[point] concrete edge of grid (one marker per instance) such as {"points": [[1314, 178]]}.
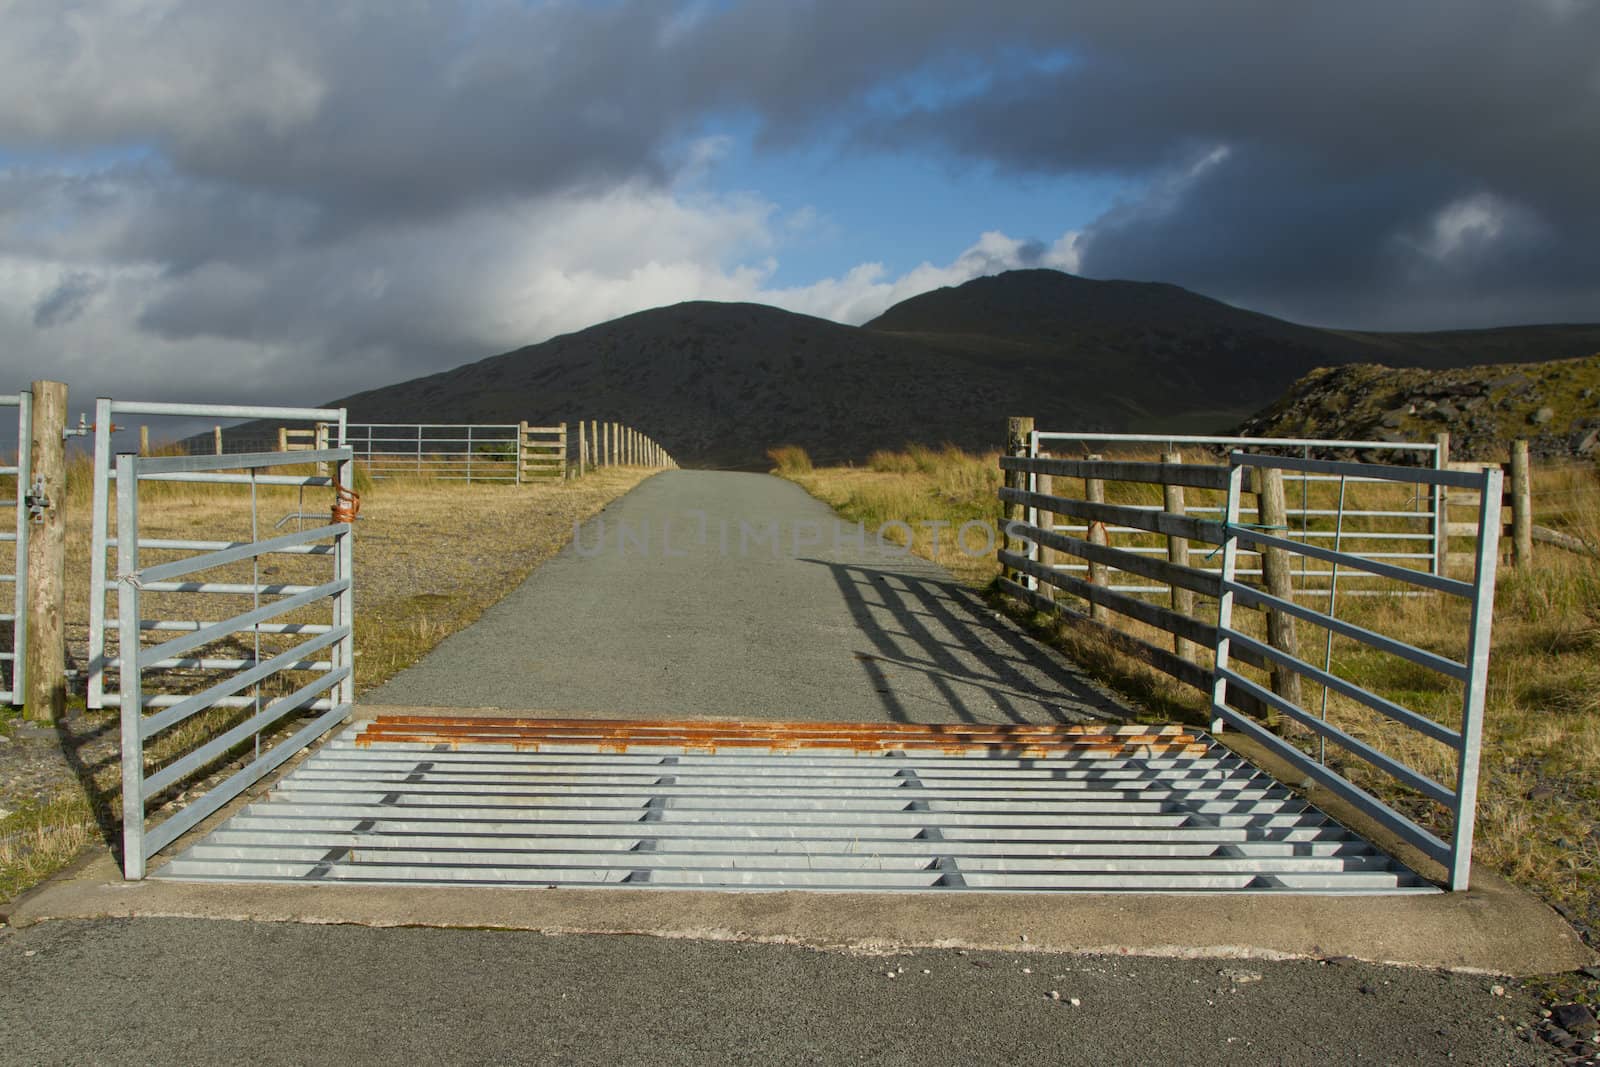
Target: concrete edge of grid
{"points": [[1494, 928]]}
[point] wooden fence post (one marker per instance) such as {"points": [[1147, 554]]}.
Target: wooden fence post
{"points": [[1441, 507], [522, 449], [1045, 485], [1094, 491], [283, 438], [1178, 553], [583, 448], [1019, 434], [216, 438], [1521, 505], [1273, 513], [46, 693], [594, 443], [319, 441], [563, 457], [144, 440]]}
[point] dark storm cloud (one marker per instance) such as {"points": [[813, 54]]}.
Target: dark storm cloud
{"points": [[1353, 137], [67, 300]]}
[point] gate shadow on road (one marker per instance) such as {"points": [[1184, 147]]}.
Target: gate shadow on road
{"points": [[963, 661]]}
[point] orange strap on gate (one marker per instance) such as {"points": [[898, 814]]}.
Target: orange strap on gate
{"points": [[346, 504]]}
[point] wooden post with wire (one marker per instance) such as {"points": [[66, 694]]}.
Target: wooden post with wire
{"points": [[1178, 553], [1019, 432], [144, 440], [1272, 511], [1094, 491], [216, 438], [522, 448], [1521, 505], [1441, 506], [45, 697]]}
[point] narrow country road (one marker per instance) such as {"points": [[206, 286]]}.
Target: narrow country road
{"points": [[716, 593]]}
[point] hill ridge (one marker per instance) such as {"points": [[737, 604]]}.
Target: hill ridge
{"points": [[719, 383]]}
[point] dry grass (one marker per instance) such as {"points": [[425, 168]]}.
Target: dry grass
{"points": [[922, 485], [1539, 808], [430, 557]]}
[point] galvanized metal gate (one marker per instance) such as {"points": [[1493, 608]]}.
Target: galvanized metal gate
{"points": [[13, 625], [1462, 737], [456, 452], [212, 688], [768, 806]]}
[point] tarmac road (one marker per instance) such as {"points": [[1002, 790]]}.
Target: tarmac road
{"points": [[195, 991], [679, 600]]}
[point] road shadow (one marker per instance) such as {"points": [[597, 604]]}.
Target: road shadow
{"points": [[962, 660]]}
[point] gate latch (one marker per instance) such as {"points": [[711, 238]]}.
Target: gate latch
{"points": [[36, 500]]}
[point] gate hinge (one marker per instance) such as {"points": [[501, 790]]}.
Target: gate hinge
{"points": [[36, 500]]}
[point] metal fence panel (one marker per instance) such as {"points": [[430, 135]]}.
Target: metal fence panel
{"points": [[458, 452], [1458, 797], [149, 712], [14, 653]]}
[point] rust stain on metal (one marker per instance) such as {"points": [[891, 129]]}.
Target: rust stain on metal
{"points": [[705, 736]]}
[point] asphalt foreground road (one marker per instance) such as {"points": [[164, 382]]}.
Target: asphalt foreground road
{"points": [[174, 991], [824, 630]]}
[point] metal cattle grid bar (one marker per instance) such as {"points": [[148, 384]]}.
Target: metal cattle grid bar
{"points": [[15, 653], [101, 543], [774, 806], [1416, 536], [1459, 797], [328, 695]]}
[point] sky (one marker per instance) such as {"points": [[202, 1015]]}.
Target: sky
{"points": [[294, 200]]}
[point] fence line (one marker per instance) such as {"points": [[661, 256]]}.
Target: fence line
{"points": [[501, 452], [1406, 530]]}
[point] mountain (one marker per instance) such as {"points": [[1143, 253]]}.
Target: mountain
{"points": [[718, 384]]}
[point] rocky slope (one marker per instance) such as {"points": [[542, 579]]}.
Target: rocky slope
{"points": [[1555, 405]]}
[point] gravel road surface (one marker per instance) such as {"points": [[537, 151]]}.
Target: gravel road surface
{"points": [[716, 593], [192, 991]]}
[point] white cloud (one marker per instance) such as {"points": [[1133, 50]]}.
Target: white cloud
{"points": [[1463, 225], [91, 297]]}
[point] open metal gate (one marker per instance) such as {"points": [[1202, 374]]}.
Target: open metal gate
{"points": [[220, 655], [14, 625], [1462, 737]]}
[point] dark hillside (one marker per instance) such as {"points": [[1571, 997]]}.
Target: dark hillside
{"points": [[718, 384]]}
